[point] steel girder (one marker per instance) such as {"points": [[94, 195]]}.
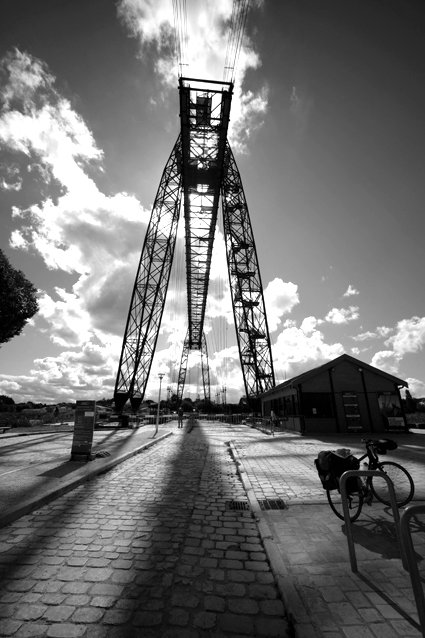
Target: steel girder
{"points": [[204, 113], [183, 368], [150, 287], [204, 368], [245, 284]]}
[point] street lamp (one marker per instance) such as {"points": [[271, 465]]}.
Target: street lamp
{"points": [[161, 376]]}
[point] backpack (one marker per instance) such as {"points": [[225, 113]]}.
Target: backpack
{"points": [[331, 467]]}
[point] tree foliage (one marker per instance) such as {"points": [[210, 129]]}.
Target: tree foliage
{"points": [[18, 300]]}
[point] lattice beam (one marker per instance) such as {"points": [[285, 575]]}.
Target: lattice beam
{"points": [[204, 114], [245, 284], [150, 287]]}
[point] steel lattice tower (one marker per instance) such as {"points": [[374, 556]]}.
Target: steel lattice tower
{"points": [[201, 168]]}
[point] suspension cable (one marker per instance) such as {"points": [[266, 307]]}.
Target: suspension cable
{"points": [[234, 42], [180, 36]]}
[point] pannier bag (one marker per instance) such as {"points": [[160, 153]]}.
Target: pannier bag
{"points": [[331, 465], [382, 445]]}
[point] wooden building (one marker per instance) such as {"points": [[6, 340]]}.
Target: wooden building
{"points": [[343, 395]]}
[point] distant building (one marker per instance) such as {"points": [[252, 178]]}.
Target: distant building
{"points": [[343, 395]]}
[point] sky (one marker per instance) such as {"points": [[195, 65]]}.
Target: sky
{"points": [[327, 126]]}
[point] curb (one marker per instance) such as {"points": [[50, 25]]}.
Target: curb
{"points": [[298, 616], [81, 476]]}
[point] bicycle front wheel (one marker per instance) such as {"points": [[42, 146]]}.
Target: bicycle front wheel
{"points": [[404, 487], [355, 504]]}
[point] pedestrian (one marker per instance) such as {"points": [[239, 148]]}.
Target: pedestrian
{"points": [[273, 422], [180, 417]]}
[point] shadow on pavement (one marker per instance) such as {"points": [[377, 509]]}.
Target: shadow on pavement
{"points": [[389, 601], [378, 536], [148, 548]]}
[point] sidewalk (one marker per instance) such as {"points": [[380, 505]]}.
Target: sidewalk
{"points": [[307, 545], [172, 543], [37, 470], [154, 548]]}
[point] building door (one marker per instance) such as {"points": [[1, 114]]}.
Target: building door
{"points": [[353, 419]]}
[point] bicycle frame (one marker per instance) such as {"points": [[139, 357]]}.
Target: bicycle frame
{"points": [[372, 456]]}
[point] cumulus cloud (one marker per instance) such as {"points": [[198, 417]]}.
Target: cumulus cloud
{"points": [[387, 360], [298, 349], [350, 291], [379, 333], [409, 337], [10, 178], [416, 387], [364, 336], [280, 297], [342, 315], [203, 54], [96, 238]]}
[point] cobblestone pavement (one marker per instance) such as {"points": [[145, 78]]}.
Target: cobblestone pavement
{"points": [[149, 549], [322, 595], [283, 466]]}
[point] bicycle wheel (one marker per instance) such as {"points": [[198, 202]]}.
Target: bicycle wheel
{"points": [[404, 487], [355, 504]]}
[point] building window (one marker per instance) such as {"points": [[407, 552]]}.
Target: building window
{"points": [[317, 404]]}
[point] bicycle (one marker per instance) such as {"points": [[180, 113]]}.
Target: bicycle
{"points": [[361, 490]]}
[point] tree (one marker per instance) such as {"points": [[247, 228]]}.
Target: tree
{"points": [[7, 404], [18, 300]]}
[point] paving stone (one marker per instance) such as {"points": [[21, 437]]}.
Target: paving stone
{"points": [[58, 613], [214, 603], [272, 628], [87, 615], [236, 624], [205, 620], [243, 606], [116, 617], [32, 630], [29, 612], [65, 630], [9, 627]]}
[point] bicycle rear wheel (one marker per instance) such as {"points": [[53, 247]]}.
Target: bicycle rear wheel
{"points": [[355, 504], [404, 487]]}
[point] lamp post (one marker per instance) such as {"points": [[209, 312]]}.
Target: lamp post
{"points": [[161, 376]]}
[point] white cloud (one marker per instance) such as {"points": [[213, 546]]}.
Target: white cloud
{"points": [[409, 337], [10, 178], [387, 360], [342, 315], [204, 52], [93, 236], [350, 291], [309, 324], [279, 297], [416, 387], [364, 336], [383, 331], [298, 349], [22, 76]]}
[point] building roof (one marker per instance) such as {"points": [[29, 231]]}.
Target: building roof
{"points": [[330, 364]]}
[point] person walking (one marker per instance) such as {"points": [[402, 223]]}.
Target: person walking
{"points": [[273, 422], [180, 417]]}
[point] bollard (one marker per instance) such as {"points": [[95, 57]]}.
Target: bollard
{"points": [[396, 514], [415, 578]]}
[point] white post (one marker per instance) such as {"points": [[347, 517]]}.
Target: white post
{"points": [[161, 375]]}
